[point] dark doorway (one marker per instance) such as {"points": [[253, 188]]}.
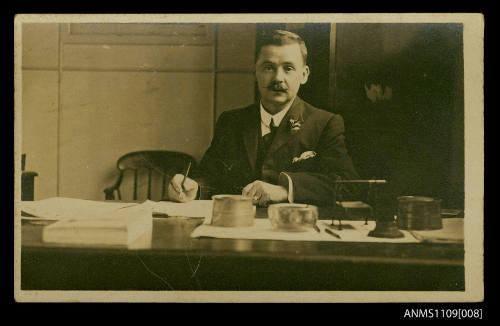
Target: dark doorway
{"points": [[399, 88]]}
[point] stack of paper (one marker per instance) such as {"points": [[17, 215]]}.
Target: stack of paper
{"points": [[87, 222], [123, 226]]}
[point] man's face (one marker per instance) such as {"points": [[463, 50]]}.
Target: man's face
{"points": [[280, 70]]}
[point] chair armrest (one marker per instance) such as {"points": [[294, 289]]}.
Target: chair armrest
{"points": [[28, 185], [110, 191], [29, 174]]}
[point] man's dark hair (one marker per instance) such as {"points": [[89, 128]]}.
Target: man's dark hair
{"points": [[281, 37]]}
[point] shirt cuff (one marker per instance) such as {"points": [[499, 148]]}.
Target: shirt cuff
{"points": [[290, 185]]}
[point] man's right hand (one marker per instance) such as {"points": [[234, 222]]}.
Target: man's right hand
{"points": [[179, 193]]}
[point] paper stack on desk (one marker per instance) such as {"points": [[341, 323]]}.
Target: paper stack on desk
{"points": [[87, 222], [121, 227]]}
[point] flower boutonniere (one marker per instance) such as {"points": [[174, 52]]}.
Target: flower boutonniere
{"points": [[295, 125]]}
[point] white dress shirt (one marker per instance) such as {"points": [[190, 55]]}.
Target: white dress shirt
{"points": [[265, 118], [265, 121]]}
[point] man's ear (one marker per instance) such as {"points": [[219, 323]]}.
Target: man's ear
{"points": [[305, 75]]}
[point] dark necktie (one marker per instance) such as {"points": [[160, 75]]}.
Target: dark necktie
{"points": [[268, 138]]}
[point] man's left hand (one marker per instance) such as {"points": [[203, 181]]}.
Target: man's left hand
{"points": [[264, 193]]}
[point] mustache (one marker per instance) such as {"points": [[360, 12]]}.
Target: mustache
{"points": [[276, 87]]}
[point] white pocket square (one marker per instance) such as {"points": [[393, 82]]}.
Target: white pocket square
{"points": [[304, 156]]}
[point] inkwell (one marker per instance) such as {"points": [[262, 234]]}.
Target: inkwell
{"points": [[381, 205], [383, 212]]}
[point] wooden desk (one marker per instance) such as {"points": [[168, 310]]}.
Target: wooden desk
{"points": [[177, 262]]}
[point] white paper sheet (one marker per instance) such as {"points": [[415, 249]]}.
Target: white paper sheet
{"points": [[57, 208], [452, 231], [195, 208], [353, 231]]}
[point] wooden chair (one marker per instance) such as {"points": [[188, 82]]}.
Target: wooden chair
{"points": [[27, 181], [164, 163]]}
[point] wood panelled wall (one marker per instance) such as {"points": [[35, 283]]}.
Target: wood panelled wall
{"points": [[93, 92]]}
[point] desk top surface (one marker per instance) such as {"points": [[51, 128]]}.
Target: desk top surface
{"points": [[171, 236]]}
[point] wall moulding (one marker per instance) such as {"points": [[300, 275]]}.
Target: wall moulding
{"points": [[129, 33]]}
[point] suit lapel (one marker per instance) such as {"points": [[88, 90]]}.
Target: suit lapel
{"points": [[283, 134], [251, 133]]}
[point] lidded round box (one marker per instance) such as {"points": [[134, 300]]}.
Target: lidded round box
{"points": [[419, 213], [232, 210], [293, 217]]}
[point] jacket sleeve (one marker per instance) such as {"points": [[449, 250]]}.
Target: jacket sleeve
{"points": [[215, 173], [317, 185]]}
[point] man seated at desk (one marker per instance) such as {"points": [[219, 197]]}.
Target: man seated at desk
{"points": [[281, 149]]}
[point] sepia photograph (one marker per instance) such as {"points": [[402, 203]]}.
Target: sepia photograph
{"points": [[249, 158]]}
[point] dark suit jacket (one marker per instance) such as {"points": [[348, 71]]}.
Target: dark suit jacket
{"points": [[231, 162]]}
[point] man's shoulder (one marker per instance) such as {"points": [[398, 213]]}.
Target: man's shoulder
{"points": [[241, 110], [249, 110], [319, 114], [238, 113]]}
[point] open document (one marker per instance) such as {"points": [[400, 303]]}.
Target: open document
{"points": [[58, 208]]}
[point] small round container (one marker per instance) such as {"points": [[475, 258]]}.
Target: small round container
{"points": [[232, 211], [293, 217], [419, 213]]}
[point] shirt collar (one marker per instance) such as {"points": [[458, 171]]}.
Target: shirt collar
{"points": [[266, 116]]}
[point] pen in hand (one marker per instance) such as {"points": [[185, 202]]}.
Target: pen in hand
{"points": [[185, 175]]}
